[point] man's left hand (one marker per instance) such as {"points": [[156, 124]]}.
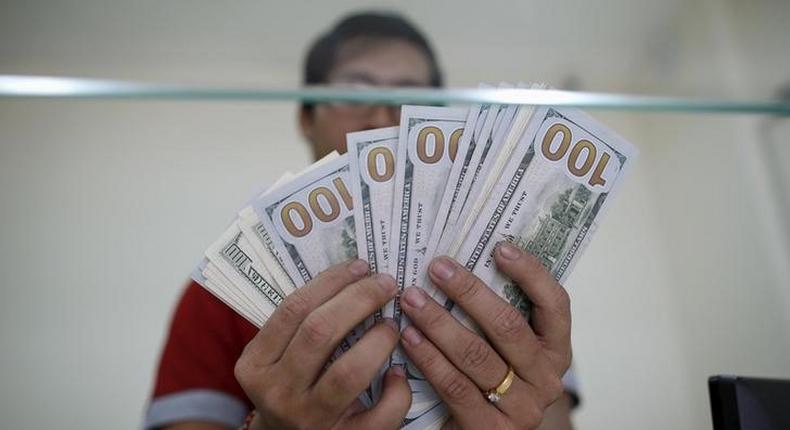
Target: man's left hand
{"points": [[461, 365]]}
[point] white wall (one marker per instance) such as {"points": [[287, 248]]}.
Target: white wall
{"points": [[106, 206]]}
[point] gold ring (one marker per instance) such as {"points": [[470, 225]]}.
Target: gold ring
{"points": [[495, 394]]}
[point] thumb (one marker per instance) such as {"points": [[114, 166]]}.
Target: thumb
{"points": [[389, 412]]}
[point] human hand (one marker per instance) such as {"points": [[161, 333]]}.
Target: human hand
{"points": [[282, 368], [461, 365]]}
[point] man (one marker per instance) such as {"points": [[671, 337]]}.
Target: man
{"points": [[216, 368]]}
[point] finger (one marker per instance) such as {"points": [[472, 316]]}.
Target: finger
{"points": [[391, 408], [351, 374], [462, 397], [503, 325], [550, 315], [322, 330], [469, 352], [271, 340], [356, 407]]}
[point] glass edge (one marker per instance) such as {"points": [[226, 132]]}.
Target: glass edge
{"points": [[48, 87]]}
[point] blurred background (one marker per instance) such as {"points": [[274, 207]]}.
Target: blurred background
{"points": [[106, 206]]}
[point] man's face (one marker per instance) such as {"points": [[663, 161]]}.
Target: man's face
{"points": [[360, 63]]}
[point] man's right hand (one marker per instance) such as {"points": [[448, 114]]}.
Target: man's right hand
{"points": [[282, 369]]}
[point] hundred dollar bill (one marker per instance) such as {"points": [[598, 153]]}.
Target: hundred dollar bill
{"points": [[262, 244], [491, 139], [245, 232], [485, 142], [261, 241], [207, 276], [371, 174], [233, 256], [372, 170], [455, 191], [549, 199], [483, 187], [428, 142], [223, 288], [211, 277], [311, 220], [488, 142], [452, 193]]}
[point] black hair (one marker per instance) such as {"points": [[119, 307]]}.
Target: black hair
{"points": [[322, 54]]}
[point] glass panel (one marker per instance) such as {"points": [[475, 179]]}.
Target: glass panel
{"points": [[74, 88]]}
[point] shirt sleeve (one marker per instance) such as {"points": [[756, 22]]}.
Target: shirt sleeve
{"points": [[195, 380]]}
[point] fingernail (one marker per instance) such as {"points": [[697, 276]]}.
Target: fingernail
{"points": [[415, 297], [411, 336], [398, 371], [509, 251], [442, 268], [386, 282], [358, 267], [391, 322]]}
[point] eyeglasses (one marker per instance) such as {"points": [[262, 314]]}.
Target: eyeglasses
{"points": [[359, 109]]}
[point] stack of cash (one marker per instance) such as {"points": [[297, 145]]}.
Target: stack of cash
{"points": [[447, 181]]}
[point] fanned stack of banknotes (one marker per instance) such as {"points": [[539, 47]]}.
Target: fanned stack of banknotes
{"points": [[447, 181]]}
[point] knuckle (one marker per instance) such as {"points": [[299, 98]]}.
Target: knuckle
{"points": [[502, 424], [559, 306], [274, 398], [317, 329], [530, 422], [563, 300], [476, 354], [288, 418], [339, 379], [553, 388], [278, 403], [337, 274], [456, 389], [242, 371], [295, 307], [561, 360], [533, 416], [311, 424], [509, 324], [435, 318], [467, 289], [429, 363], [391, 334], [369, 292], [333, 275]]}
